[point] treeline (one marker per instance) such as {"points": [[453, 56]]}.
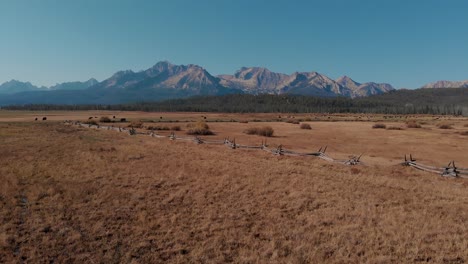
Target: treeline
{"points": [[421, 101]]}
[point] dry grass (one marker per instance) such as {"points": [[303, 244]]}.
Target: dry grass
{"points": [[265, 131], [305, 126], [83, 195], [136, 124], [379, 125]]}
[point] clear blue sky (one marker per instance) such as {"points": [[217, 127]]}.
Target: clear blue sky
{"points": [[405, 43]]}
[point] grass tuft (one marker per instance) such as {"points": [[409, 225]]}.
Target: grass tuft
{"points": [[412, 124], [265, 131], [200, 128], [379, 125]]}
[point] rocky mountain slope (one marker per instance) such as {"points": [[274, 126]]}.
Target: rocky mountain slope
{"points": [[257, 80]]}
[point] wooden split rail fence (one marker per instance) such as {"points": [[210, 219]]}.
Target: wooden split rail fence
{"points": [[354, 160], [448, 171]]}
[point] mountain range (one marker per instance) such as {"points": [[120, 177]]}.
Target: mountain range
{"points": [[15, 86], [165, 81], [447, 84]]}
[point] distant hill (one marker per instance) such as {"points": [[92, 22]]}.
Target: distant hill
{"points": [[364, 89], [447, 84], [447, 101], [74, 85], [14, 86]]}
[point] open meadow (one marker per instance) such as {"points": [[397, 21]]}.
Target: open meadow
{"points": [[77, 194]]}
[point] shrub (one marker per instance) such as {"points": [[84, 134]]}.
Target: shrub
{"points": [[175, 128], [444, 126], [244, 121], [265, 131], [105, 119], [379, 125], [199, 128], [395, 128], [464, 133], [290, 121], [305, 126], [412, 124], [199, 124], [466, 125], [136, 124], [157, 128], [91, 122]]}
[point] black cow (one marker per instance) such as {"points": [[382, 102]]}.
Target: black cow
{"points": [[44, 118]]}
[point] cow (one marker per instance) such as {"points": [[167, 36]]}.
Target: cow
{"points": [[44, 118]]}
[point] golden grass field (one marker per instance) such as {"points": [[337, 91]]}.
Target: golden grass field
{"points": [[71, 194]]}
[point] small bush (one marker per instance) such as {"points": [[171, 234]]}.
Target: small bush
{"points": [[305, 126], [157, 128], [464, 133], [175, 128], [199, 124], [444, 126], [466, 125], [395, 128], [199, 128], [244, 121], [412, 124], [379, 125], [295, 122], [265, 131], [91, 122], [136, 124], [105, 119]]}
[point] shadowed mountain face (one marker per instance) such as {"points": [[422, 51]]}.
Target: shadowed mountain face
{"points": [[447, 84]]}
